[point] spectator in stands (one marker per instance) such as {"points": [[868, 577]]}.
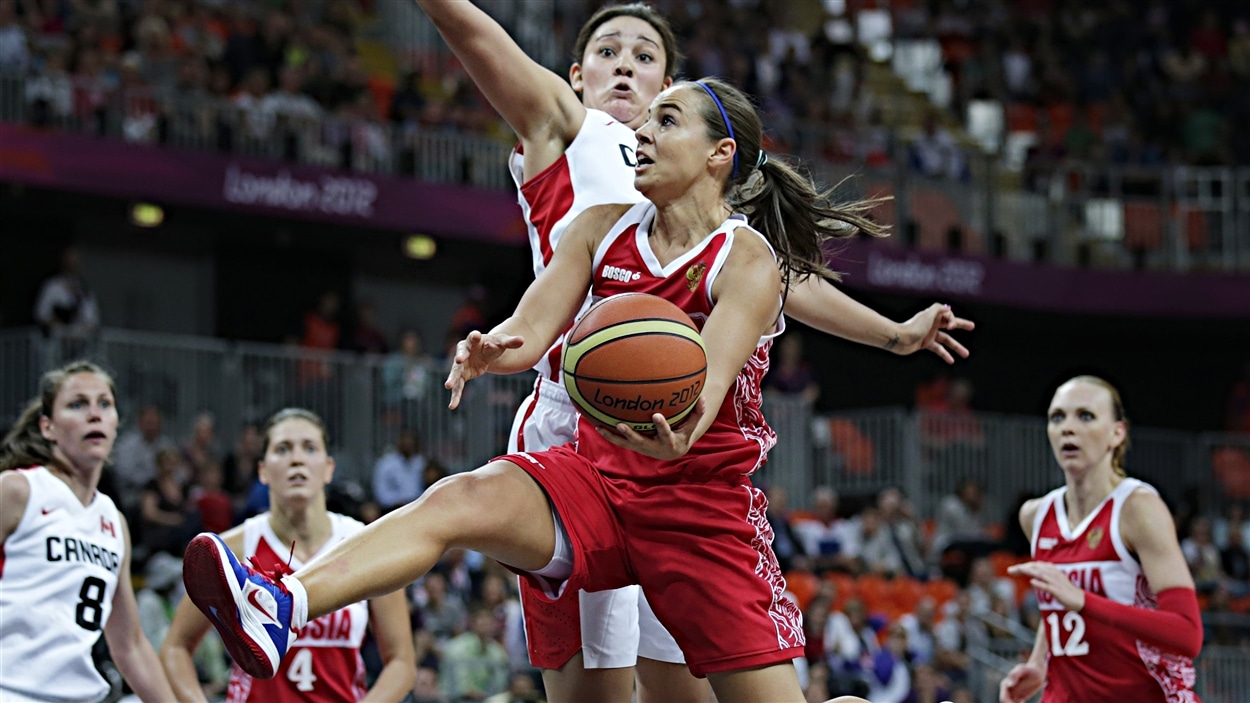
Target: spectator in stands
{"points": [[829, 541], [1235, 561], [14, 53], [256, 121], [503, 603], [135, 456], [398, 475], [921, 633], [405, 374], [169, 516], [408, 103], [1239, 49], [50, 93], [934, 153], [202, 448], [443, 613], [928, 686], [898, 523], [889, 679], [240, 464], [213, 503], [984, 587], [1202, 555], [367, 337], [955, 634], [427, 689], [790, 374], [475, 664], [850, 644], [961, 533], [787, 544], [66, 304], [156, 601], [951, 420], [521, 689]]}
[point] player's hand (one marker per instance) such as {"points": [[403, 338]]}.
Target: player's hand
{"points": [[1021, 683], [668, 443], [474, 355], [1047, 577], [928, 329]]}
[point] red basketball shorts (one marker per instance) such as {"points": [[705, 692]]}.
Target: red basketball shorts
{"points": [[700, 550]]}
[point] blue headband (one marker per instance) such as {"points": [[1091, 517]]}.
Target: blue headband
{"points": [[724, 117]]}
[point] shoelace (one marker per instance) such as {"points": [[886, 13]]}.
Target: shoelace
{"points": [[273, 574]]}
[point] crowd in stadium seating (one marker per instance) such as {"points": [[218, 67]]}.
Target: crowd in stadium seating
{"points": [[1117, 82], [892, 599]]}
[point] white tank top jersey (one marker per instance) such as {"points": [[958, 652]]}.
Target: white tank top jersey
{"points": [[324, 662], [597, 168], [58, 575]]}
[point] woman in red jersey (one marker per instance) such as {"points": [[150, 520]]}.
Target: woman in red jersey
{"points": [[674, 513], [65, 550], [324, 664], [1120, 620], [576, 149]]}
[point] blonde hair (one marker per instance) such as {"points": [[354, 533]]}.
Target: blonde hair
{"points": [[1117, 410]]}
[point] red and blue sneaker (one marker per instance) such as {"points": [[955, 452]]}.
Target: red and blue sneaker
{"points": [[251, 609]]}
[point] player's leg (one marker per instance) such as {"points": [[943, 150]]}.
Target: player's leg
{"points": [[573, 683], [498, 510], [727, 613], [662, 673], [775, 683]]}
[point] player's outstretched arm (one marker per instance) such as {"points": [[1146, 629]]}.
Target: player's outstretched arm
{"points": [[539, 105], [130, 649], [819, 304], [545, 311]]}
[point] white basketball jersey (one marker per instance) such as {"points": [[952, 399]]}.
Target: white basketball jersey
{"points": [[324, 663], [597, 168], [58, 574]]}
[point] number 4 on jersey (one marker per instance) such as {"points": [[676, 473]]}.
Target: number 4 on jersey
{"points": [[300, 672], [1073, 624]]}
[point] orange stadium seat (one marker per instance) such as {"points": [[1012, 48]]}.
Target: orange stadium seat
{"points": [[941, 590], [905, 593], [1001, 560], [847, 587], [874, 590], [804, 585]]}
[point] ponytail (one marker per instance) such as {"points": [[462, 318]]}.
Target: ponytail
{"points": [[25, 445], [778, 200]]}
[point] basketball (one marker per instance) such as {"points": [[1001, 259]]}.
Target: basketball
{"points": [[631, 356]]}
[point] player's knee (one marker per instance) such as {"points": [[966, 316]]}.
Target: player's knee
{"points": [[484, 499]]}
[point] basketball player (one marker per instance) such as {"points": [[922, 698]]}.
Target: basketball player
{"points": [[324, 664], [575, 153], [65, 559], [1120, 620], [578, 516]]}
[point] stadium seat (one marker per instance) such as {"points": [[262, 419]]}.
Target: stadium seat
{"points": [[804, 585], [941, 590]]}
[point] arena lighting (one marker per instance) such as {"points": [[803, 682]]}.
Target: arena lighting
{"points": [[147, 215], [420, 246]]}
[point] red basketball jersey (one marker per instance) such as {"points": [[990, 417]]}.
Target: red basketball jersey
{"points": [[597, 168], [1093, 661], [739, 439], [324, 663]]}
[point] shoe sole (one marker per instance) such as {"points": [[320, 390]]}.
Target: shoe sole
{"points": [[211, 585]]}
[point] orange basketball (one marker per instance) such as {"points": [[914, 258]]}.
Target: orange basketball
{"points": [[632, 356]]}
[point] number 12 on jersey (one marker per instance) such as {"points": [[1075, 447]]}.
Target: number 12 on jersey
{"points": [[1074, 627]]}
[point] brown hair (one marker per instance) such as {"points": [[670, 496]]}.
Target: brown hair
{"points": [[1117, 411], [642, 11], [780, 202], [25, 445], [293, 414]]}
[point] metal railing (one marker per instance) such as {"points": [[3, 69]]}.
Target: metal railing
{"points": [[365, 400], [1176, 218]]}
